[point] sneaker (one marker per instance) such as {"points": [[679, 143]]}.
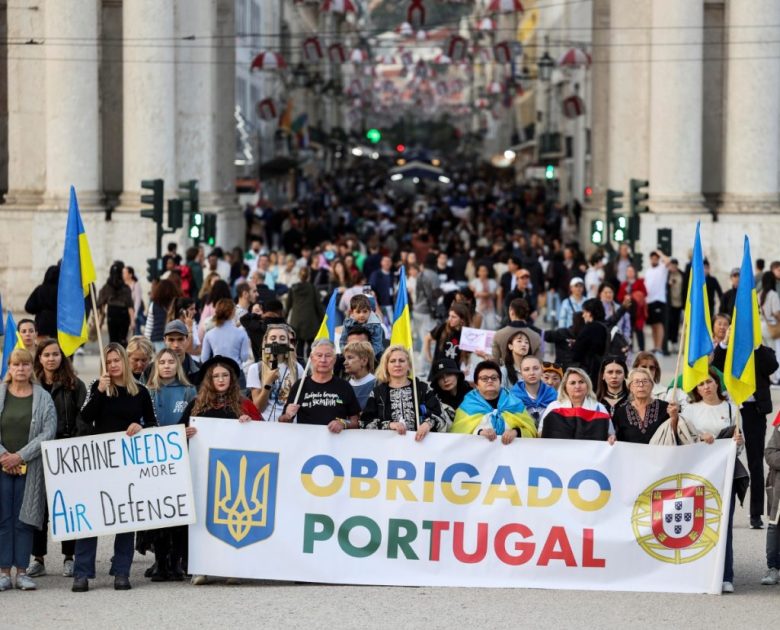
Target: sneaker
{"points": [[756, 522], [728, 587], [5, 582], [36, 569], [199, 580], [67, 568], [24, 582], [771, 577]]}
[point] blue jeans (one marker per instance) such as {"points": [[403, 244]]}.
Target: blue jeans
{"points": [[773, 546], [16, 538], [86, 549], [728, 567]]}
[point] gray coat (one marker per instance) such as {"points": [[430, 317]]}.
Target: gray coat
{"points": [[772, 455], [43, 427]]}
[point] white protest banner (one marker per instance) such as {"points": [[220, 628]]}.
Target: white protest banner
{"points": [[476, 340], [111, 483], [372, 507]]}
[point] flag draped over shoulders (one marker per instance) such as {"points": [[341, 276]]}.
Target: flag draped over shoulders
{"points": [[698, 328], [509, 414], [77, 273], [739, 372]]}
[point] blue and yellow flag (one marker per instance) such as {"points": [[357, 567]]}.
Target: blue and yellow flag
{"points": [[76, 274], [2, 325], [739, 372], [698, 328], [509, 414], [401, 333], [11, 341], [328, 326]]}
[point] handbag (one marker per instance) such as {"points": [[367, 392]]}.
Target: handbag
{"points": [[664, 435]]}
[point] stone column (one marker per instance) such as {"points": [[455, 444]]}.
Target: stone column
{"points": [[752, 106], [72, 104], [26, 105], [676, 105], [629, 92], [149, 97]]}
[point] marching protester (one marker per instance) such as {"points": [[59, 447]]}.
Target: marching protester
{"points": [[592, 341], [304, 312], [140, 353], [55, 374], [115, 402], [28, 334], [518, 312], [522, 343], [576, 415], [128, 275], [712, 416], [612, 390], [649, 362], [270, 379], [531, 390], [115, 301], [359, 366], [163, 296], [391, 405], [634, 287], [772, 455], [225, 339], [446, 338], [491, 411], [42, 303], [322, 398], [171, 393], [552, 374], [642, 415], [450, 386], [27, 418]]}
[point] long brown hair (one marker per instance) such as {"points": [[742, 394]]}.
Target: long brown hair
{"points": [[65, 375], [209, 398]]}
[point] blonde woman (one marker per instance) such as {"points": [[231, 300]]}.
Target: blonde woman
{"points": [[391, 404], [27, 418], [271, 379], [576, 415], [115, 402], [140, 353], [639, 419]]}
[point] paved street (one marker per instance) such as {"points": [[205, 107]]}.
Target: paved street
{"points": [[285, 605]]}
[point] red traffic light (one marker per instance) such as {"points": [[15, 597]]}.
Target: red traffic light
{"points": [[588, 192], [400, 148]]}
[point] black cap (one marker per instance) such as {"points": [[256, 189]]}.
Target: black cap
{"points": [[218, 359], [443, 367]]}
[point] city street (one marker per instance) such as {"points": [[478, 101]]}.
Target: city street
{"points": [[288, 605]]}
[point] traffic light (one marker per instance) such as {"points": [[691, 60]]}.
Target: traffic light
{"points": [[597, 232], [155, 199], [620, 230], [175, 213], [373, 135], [188, 193], [196, 226], [588, 193], [639, 196], [152, 269], [638, 262], [400, 148], [549, 172], [210, 228]]}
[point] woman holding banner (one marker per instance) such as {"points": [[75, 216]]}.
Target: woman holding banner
{"points": [[576, 415], [55, 374], [27, 418], [115, 402], [490, 410], [639, 419], [392, 403], [712, 416]]}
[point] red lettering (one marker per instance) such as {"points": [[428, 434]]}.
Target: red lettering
{"points": [[587, 551], [557, 538], [436, 527], [526, 549], [457, 543]]}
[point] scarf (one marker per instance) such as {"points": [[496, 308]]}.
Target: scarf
{"points": [[510, 413]]}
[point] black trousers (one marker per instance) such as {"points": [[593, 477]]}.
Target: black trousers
{"points": [[41, 538], [118, 324], [754, 430], [673, 324]]}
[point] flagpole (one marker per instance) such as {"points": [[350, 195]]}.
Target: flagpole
{"points": [[680, 346], [97, 327], [414, 392], [303, 378]]}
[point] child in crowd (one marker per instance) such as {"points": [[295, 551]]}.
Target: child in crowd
{"points": [[360, 314]]}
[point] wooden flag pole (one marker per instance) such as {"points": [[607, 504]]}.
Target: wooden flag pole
{"points": [[303, 379], [680, 346], [414, 390], [98, 326]]}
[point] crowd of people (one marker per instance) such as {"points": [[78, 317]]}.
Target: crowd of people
{"points": [[235, 336]]}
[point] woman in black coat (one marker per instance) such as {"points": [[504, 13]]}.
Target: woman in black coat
{"points": [[43, 303], [591, 344]]}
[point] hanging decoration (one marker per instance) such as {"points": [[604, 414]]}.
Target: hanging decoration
{"points": [[266, 109], [502, 52], [359, 56], [268, 60], [337, 53], [415, 14], [405, 30], [574, 58], [573, 106], [486, 25], [339, 6], [457, 47], [442, 60], [312, 50], [505, 6]]}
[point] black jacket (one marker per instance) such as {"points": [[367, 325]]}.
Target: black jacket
{"points": [[68, 403], [766, 365], [378, 408], [43, 303], [589, 348]]}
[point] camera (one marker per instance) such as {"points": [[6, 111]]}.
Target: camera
{"points": [[276, 349]]}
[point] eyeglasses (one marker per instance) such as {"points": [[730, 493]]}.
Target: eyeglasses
{"points": [[642, 381], [488, 379]]}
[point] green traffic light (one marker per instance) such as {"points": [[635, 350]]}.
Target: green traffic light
{"points": [[374, 135], [549, 172]]}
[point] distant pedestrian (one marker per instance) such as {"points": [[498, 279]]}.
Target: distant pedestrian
{"points": [[115, 301]]}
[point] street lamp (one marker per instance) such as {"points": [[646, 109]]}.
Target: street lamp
{"points": [[300, 76], [545, 65]]}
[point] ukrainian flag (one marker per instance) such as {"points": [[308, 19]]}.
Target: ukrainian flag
{"points": [[77, 273], [698, 328], [510, 414], [11, 341], [745, 335], [402, 318], [328, 326]]}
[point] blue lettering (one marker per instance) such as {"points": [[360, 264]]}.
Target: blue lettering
{"points": [[173, 440], [148, 447], [81, 515], [128, 456], [58, 512], [72, 520]]}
